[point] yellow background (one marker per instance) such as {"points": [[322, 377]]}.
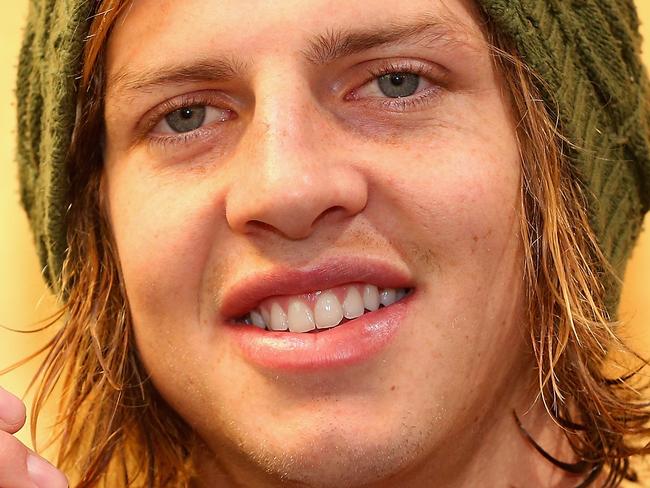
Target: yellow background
{"points": [[24, 299]]}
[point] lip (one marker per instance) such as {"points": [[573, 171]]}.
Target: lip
{"points": [[247, 293], [352, 342]]}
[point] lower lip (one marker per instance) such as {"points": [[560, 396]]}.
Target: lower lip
{"points": [[353, 342]]}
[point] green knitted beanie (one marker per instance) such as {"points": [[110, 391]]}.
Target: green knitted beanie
{"points": [[586, 51]]}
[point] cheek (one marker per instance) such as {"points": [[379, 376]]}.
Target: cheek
{"points": [[165, 234], [458, 210], [164, 237], [454, 188], [460, 198]]}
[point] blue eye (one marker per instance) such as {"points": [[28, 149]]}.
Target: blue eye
{"points": [[397, 85], [400, 86], [191, 116], [186, 119]]}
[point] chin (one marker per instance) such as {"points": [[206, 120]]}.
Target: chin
{"points": [[335, 457], [335, 463]]}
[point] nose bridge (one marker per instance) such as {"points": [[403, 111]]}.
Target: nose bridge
{"points": [[282, 126], [290, 174]]}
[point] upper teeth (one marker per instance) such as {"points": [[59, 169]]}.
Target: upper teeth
{"points": [[322, 309]]}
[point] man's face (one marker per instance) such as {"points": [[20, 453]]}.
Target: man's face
{"points": [[310, 168]]}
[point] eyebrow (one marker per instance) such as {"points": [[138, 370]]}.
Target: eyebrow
{"points": [[222, 69], [427, 30]]}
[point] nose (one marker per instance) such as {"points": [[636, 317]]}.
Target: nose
{"points": [[291, 172]]}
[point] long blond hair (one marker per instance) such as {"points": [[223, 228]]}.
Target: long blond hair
{"points": [[114, 428]]}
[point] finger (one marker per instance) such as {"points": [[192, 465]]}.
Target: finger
{"points": [[43, 474], [12, 412], [21, 468]]}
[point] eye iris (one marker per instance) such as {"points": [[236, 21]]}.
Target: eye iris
{"points": [[396, 85], [186, 119]]}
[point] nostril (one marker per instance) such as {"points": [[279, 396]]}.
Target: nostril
{"points": [[291, 203], [332, 210], [293, 232], [297, 229], [260, 225], [336, 213]]}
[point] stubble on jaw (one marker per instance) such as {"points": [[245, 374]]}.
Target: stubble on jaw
{"points": [[332, 461]]}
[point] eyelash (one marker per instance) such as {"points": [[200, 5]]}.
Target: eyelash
{"points": [[401, 104], [170, 106]]}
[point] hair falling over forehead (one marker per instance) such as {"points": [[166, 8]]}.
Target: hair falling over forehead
{"points": [[114, 429]]}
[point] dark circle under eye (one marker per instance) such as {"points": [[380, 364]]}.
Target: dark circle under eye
{"points": [[186, 119], [396, 85]]}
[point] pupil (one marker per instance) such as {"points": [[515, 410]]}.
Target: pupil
{"points": [[186, 119], [397, 79], [396, 85]]}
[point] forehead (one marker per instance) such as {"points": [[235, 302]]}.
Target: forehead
{"points": [[239, 34]]}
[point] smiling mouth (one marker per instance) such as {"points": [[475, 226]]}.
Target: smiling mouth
{"points": [[321, 310]]}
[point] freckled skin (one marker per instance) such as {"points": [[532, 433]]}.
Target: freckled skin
{"points": [[301, 175]]}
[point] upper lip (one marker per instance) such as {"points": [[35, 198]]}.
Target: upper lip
{"points": [[248, 292]]}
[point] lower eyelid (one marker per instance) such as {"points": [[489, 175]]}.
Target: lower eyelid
{"points": [[400, 104], [162, 140]]}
